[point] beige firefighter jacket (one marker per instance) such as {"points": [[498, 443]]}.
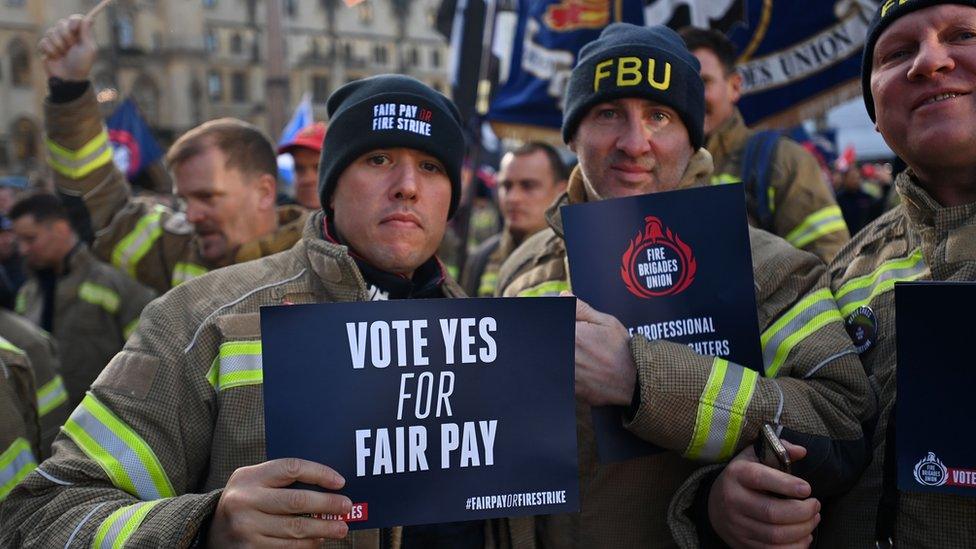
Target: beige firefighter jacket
{"points": [[480, 276], [153, 244], [918, 240], [178, 410], [702, 409], [804, 211], [20, 431], [96, 307], [51, 396]]}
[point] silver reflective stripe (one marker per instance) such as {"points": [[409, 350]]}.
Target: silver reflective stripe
{"points": [[792, 327], [239, 363], [141, 479], [77, 529], [722, 412]]}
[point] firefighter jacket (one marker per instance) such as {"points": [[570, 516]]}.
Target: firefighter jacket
{"points": [[51, 396], [96, 307], [804, 211], [480, 276], [142, 461], [918, 240], [705, 409], [20, 432], [150, 242]]}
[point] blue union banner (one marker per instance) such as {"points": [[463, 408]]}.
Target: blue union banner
{"points": [[797, 58], [432, 410]]}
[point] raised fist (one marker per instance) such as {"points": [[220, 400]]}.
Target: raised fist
{"points": [[69, 48]]}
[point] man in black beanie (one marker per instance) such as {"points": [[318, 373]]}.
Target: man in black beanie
{"points": [[919, 78], [634, 116], [168, 447]]}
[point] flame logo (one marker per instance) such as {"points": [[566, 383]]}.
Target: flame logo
{"points": [[656, 234], [571, 15]]}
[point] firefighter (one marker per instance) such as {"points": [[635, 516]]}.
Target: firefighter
{"points": [[225, 171], [786, 192], [918, 75], [89, 307], [168, 447], [20, 431], [530, 177], [642, 132], [51, 396], [306, 148]]}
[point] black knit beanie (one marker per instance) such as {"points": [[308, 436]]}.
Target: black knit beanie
{"points": [[631, 61], [887, 13], [390, 111]]}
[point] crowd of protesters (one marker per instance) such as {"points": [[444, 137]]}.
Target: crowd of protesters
{"points": [[86, 355]]}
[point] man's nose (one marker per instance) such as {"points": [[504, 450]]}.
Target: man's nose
{"points": [[931, 58], [635, 139], [405, 182]]}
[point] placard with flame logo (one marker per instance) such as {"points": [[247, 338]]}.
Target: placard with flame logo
{"points": [[657, 262]]}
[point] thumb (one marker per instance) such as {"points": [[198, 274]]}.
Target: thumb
{"points": [[585, 313], [796, 452], [85, 32]]}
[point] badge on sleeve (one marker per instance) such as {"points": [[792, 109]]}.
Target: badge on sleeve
{"points": [[862, 326]]}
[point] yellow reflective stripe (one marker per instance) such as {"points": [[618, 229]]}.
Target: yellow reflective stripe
{"points": [[20, 303], [861, 290], [101, 296], [703, 419], [721, 411], [488, 283], [552, 287], [16, 462], [118, 527], [452, 270], [51, 395], [237, 363], [724, 179], [125, 457], [186, 271], [77, 164], [8, 346], [130, 327], [816, 225], [743, 396], [802, 320], [131, 249]]}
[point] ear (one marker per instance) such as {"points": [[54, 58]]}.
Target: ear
{"points": [[735, 86], [572, 144], [267, 187]]}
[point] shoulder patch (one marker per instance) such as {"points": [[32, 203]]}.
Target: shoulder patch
{"points": [[239, 326], [129, 373], [178, 224]]}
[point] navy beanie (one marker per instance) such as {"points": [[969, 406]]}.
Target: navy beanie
{"points": [[390, 111], [887, 13], [631, 61]]}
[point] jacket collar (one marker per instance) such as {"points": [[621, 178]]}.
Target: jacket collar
{"points": [[291, 220], [697, 173], [925, 212], [335, 267], [729, 136]]}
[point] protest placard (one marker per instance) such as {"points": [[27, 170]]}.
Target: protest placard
{"points": [[433, 410], [934, 434], [673, 265]]}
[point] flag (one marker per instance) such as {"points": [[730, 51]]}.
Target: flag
{"points": [[133, 146], [796, 63], [548, 36], [302, 117]]}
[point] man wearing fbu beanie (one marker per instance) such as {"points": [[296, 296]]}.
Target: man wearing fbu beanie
{"points": [[634, 116], [168, 447]]}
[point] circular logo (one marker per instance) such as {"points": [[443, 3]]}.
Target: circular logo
{"points": [[930, 471], [657, 262], [862, 326]]}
